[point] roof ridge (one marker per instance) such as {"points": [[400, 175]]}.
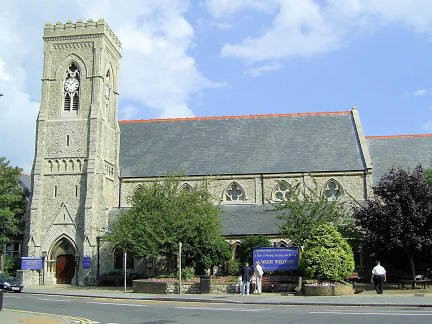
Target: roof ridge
{"points": [[345, 112], [399, 136]]}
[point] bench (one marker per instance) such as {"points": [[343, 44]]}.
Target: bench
{"points": [[272, 283], [115, 279], [422, 282], [353, 278]]}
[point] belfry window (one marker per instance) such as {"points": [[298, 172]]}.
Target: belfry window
{"points": [[333, 189], [72, 88], [235, 192]]}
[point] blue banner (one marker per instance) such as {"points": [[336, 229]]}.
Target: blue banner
{"points": [[276, 259], [86, 262], [31, 263]]}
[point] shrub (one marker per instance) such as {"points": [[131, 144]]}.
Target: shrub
{"points": [[327, 255], [248, 243], [11, 265], [188, 273], [231, 268]]}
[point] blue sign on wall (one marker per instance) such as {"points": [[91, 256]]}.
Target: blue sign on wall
{"points": [[276, 259], [86, 262], [31, 263]]}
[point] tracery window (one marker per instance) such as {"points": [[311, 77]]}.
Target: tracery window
{"points": [[72, 88], [333, 189], [186, 187], [282, 191], [235, 192]]}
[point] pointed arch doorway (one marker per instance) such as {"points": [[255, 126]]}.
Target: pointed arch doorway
{"points": [[63, 254]]}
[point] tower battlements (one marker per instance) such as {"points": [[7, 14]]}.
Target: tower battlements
{"points": [[81, 28]]}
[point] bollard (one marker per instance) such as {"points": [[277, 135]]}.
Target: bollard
{"points": [[1, 298]]}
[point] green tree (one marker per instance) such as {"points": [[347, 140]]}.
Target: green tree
{"points": [[12, 201], [305, 208], [327, 255], [428, 176], [164, 214], [244, 250], [399, 216]]}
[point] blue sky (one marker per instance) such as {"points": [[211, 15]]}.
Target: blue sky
{"points": [[235, 57]]}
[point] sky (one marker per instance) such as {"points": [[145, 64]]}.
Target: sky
{"points": [[234, 57]]}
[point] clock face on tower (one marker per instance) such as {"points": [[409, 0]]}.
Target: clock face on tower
{"points": [[71, 85]]}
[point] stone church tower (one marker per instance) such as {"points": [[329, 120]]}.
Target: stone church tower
{"points": [[76, 168]]}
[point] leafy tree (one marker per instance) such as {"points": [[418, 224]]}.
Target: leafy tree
{"points": [[399, 217], [304, 209], [164, 214], [12, 201], [428, 176], [231, 267], [327, 255], [244, 250]]}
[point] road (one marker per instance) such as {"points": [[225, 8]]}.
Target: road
{"points": [[106, 310]]}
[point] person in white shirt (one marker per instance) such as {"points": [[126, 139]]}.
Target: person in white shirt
{"points": [[378, 277], [259, 273]]}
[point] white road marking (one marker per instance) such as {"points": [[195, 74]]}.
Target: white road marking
{"points": [[373, 313], [56, 300], [224, 309], [136, 305], [13, 297]]}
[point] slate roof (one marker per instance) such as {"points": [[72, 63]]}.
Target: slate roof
{"points": [[260, 144], [404, 151], [242, 220], [236, 220], [25, 180]]}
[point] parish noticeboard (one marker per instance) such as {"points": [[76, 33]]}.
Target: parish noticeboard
{"points": [[86, 262], [31, 263], [276, 259]]}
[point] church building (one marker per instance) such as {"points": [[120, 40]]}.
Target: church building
{"points": [[87, 163]]}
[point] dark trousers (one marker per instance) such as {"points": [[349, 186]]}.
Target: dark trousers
{"points": [[378, 284]]}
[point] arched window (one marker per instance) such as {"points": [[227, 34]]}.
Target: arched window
{"points": [[235, 192], [107, 95], [281, 191], [72, 88], [333, 189], [187, 187]]}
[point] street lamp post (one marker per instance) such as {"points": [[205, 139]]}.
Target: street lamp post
{"points": [[44, 255], [77, 259]]}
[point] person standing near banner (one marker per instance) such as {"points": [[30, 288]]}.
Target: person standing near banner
{"points": [[259, 273], [246, 277]]}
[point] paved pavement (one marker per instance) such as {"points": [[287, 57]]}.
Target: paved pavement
{"points": [[26, 317], [418, 297]]}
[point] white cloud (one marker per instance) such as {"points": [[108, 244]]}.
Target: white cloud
{"points": [[4, 76], [257, 71], [226, 8], [420, 92], [156, 70], [299, 29], [310, 27], [427, 126]]}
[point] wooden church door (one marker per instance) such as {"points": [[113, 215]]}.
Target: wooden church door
{"points": [[65, 268]]}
